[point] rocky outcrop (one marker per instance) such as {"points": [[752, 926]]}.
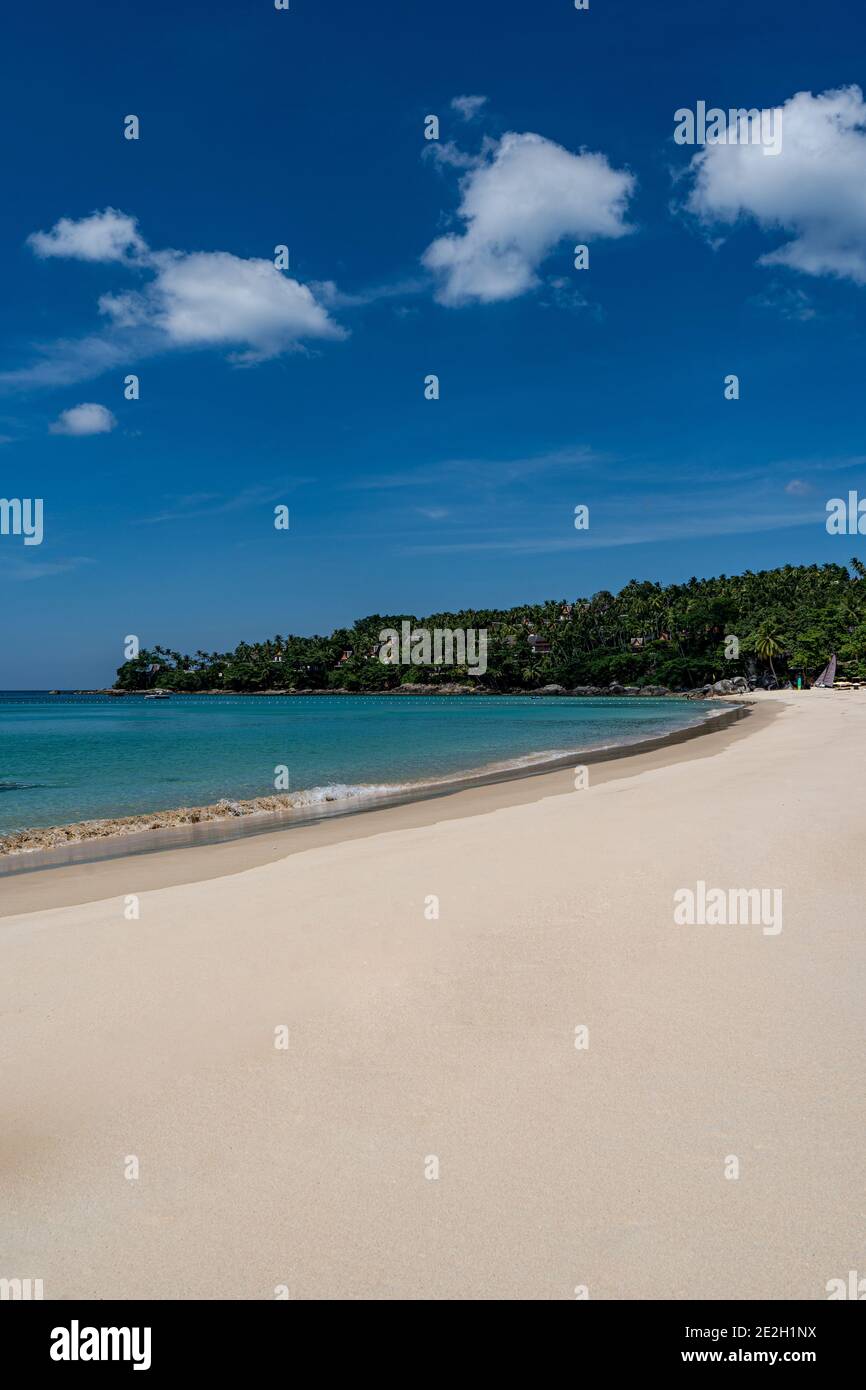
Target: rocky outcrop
{"points": [[734, 685], [632, 691]]}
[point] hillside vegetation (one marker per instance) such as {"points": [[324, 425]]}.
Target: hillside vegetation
{"points": [[786, 621]]}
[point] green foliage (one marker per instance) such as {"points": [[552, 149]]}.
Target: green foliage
{"points": [[787, 620]]}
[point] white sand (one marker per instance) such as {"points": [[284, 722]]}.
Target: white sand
{"points": [[454, 1037]]}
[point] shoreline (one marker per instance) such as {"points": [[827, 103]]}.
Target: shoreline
{"points": [[75, 874], [187, 826]]}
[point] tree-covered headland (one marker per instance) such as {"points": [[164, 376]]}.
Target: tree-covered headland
{"points": [[785, 621]]}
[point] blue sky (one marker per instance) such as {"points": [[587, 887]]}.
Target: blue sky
{"points": [[305, 386]]}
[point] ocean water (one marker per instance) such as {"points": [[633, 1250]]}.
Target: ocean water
{"points": [[67, 758]]}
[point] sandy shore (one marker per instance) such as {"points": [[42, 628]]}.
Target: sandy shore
{"points": [[412, 1037]]}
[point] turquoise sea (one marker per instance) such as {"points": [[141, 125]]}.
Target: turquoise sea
{"points": [[67, 758]]}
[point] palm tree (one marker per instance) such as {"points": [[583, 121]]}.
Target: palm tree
{"points": [[769, 643]]}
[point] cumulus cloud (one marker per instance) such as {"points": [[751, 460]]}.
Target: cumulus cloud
{"points": [[214, 299], [814, 190], [522, 196], [199, 299], [88, 418], [468, 107], [103, 236]]}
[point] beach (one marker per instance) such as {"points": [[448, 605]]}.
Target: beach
{"points": [[458, 1048]]}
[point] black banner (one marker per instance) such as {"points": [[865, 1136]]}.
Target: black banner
{"points": [[163, 1338]]}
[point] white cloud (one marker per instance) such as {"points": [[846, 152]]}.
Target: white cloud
{"points": [[214, 299], [103, 236], [199, 299], [522, 197], [814, 189], [798, 488], [88, 418], [468, 107]]}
